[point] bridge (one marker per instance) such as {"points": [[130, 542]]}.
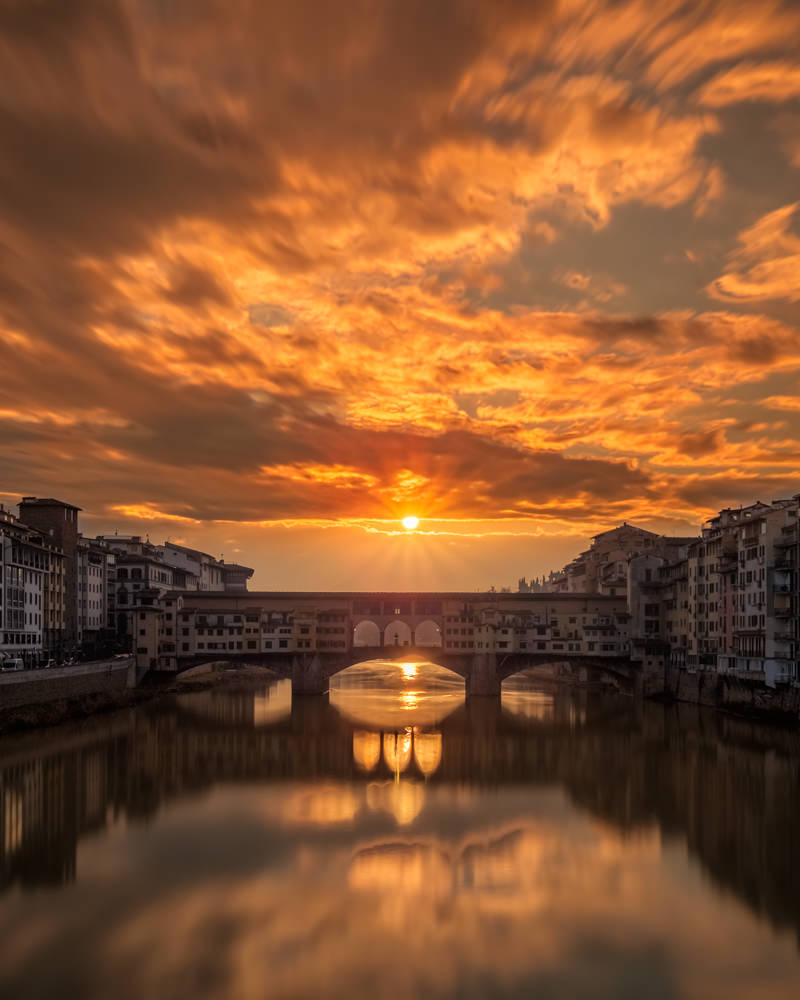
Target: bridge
{"points": [[483, 673], [309, 637]]}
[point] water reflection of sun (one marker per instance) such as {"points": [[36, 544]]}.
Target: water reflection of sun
{"points": [[410, 700], [409, 669]]}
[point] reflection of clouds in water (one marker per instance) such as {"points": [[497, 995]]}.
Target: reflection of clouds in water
{"points": [[410, 869], [402, 799], [322, 805], [333, 805], [522, 868], [510, 908]]}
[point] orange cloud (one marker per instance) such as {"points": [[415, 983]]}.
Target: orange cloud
{"points": [[292, 277], [771, 81], [766, 265]]}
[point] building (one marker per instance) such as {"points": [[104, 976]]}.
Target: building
{"points": [[173, 626], [235, 577], [59, 522], [603, 567], [729, 602], [96, 568], [24, 566]]}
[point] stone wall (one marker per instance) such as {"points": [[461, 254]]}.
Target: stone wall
{"points": [[34, 687], [724, 691]]}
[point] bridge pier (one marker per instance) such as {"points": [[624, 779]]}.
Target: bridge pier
{"points": [[308, 674], [482, 678]]}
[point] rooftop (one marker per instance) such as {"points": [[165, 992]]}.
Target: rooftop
{"points": [[47, 502]]}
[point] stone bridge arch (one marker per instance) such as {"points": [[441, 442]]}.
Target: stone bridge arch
{"points": [[580, 668], [367, 633], [398, 633], [428, 633]]}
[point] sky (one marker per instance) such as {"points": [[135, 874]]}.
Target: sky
{"points": [[274, 276]]}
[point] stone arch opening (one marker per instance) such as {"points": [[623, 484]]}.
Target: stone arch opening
{"points": [[428, 633], [366, 633], [397, 634]]}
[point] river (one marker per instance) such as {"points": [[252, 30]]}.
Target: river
{"points": [[392, 840]]}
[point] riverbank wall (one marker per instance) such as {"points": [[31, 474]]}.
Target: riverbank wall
{"points": [[34, 687], [740, 695]]}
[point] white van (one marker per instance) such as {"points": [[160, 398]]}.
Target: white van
{"points": [[15, 664]]}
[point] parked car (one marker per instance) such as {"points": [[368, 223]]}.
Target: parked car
{"points": [[12, 664]]}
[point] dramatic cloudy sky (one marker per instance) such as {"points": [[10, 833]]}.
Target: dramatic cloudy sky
{"points": [[273, 275]]}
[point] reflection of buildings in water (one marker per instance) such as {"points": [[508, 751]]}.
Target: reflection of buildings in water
{"points": [[47, 804], [529, 704], [523, 701], [273, 704], [247, 708], [366, 749]]}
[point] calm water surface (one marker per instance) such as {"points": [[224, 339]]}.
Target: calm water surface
{"points": [[393, 841]]}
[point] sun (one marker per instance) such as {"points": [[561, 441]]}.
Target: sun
{"points": [[410, 522]]}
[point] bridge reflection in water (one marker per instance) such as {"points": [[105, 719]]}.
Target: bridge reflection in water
{"points": [[500, 840], [399, 704]]}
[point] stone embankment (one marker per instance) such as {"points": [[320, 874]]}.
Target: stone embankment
{"points": [[30, 687], [738, 695], [29, 699]]}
